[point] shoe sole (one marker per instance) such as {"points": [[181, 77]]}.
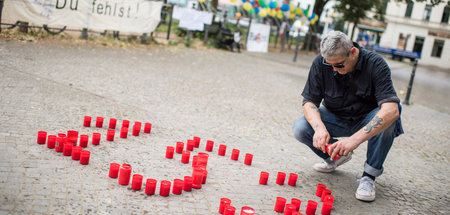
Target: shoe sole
{"points": [[345, 161], [364, 198], [322, 170]]}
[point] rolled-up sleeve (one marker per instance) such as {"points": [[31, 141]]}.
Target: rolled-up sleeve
{"points": [[384, 89]]}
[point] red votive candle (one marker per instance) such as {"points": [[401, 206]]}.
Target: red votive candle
{"points": [[235, 154], [311, 207], [263, 177], [326, 208], [197, 175], [320, 188], [150, 186], [87, 121], [110, 135], [196, 142], [279, 204], [165, 188], [99, 122], [84, 140], [246, 210], [169, 152], [72, 136], [76, 152], [112, 123], [194, 160], [124, 174], [292, 179], [327, 148], [224, 202], [59, 144], [222, 150], [296, 213], [147, 127], [185, 156], [297, 203], [177, 186], [136, 129], [248, 159], [136, 183], [290, 208], [325, 193], [328, 198], [84, 157], [67, 150], [229, 210], [202, 159], [51, 141], [125, 123], [123, 132], [187, 183], [96, 138], [280, 178], [42, 137], [190, 145], [209, 145], [179, 147], [205, 175], [114, 170]]}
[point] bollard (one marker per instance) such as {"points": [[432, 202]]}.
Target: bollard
{"points": [[297, 44], [84, 34], [170, 22], [144, 38], [411, 81]]}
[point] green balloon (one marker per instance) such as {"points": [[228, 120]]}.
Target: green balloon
{"points": [[262, 3], [252, 11]]}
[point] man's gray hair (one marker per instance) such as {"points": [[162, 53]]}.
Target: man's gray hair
{"points": [[335, 44]]}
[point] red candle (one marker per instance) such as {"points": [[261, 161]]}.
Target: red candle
{"points": [[328, 198], [311, 207], [296, 213], [187, 185], [320, 188], [247, 211], [280, 178], [229, 210], [84, 157], [150, 186], [194, 160], [136, 183], [297, 203], [177, 186], [289, 209], [123, 132], [263, 177], [235, 154], [76, 152], [203, 159], [190, 145], [196, 142], [72, 136], [326, 208], [165, 188], [125, 123], [67, 150], [327, 148], [279, 204], [222, 150], [325, 193], [209, 145], [84, 140], [292, 179], [124, 174], [42, 137], [60, 140], [185, 156], [136, 129], [205, 175], [99, 122], [179, 147], [114, 170], [224, 202], [87, 121], [197, 175], [110, 135], [147, 127], [51, 141], [169, 152], [248, 159], [95, 138], [112, 123]]}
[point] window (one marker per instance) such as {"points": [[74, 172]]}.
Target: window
{"points": [[445, 15], [418, 44], [438, 46], [409, 9], [427, 12]]}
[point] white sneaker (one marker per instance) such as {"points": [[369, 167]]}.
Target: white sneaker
{"points": [[330, 167], [366, 189]]}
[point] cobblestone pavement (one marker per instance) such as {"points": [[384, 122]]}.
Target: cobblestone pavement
{"points": [[244, 101]]}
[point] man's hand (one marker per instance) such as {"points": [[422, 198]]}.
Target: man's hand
{"points": [[342, 147], [321, 139]]}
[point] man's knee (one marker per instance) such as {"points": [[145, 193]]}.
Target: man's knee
{"points": [[302, 130]]}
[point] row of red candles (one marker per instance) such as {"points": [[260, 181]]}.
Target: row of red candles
{"points": [[225, 208], [67, 144], [112, 125]]}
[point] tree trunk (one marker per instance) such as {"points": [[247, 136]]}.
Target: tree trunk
{"points": [[313, 29], [353, 30]]}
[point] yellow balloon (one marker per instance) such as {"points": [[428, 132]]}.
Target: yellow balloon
{"points": [[292, 16], [233, 1], [247, 6], [263, 13], [272, 13], [201, 1], [279, 15], [291, 7]]}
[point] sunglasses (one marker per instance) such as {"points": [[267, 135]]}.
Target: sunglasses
{"points": [[337, 65]]}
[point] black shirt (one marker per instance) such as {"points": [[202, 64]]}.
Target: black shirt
{"points": [[355, 94]]}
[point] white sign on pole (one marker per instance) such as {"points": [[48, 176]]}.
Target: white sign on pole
{"points": [[138, 16], [258, 38], [191, 19]]}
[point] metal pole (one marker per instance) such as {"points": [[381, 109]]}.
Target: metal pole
{"points": [[1, 9], [170, 23], [248, 31], [297, 44], [411, 80]]}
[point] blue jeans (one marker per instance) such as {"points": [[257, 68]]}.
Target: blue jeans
{"points": [[378, 146]]}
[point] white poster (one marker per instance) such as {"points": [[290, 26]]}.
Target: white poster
{"points": [[258, 38], [138, 16], [191, 19]]}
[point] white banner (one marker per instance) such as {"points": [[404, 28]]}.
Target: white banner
{"points": [[192, 19], [138, 16], [258, 38]]}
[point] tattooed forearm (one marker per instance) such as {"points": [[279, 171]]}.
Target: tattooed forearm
{"points": [[374, 123], [314, 108]]}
